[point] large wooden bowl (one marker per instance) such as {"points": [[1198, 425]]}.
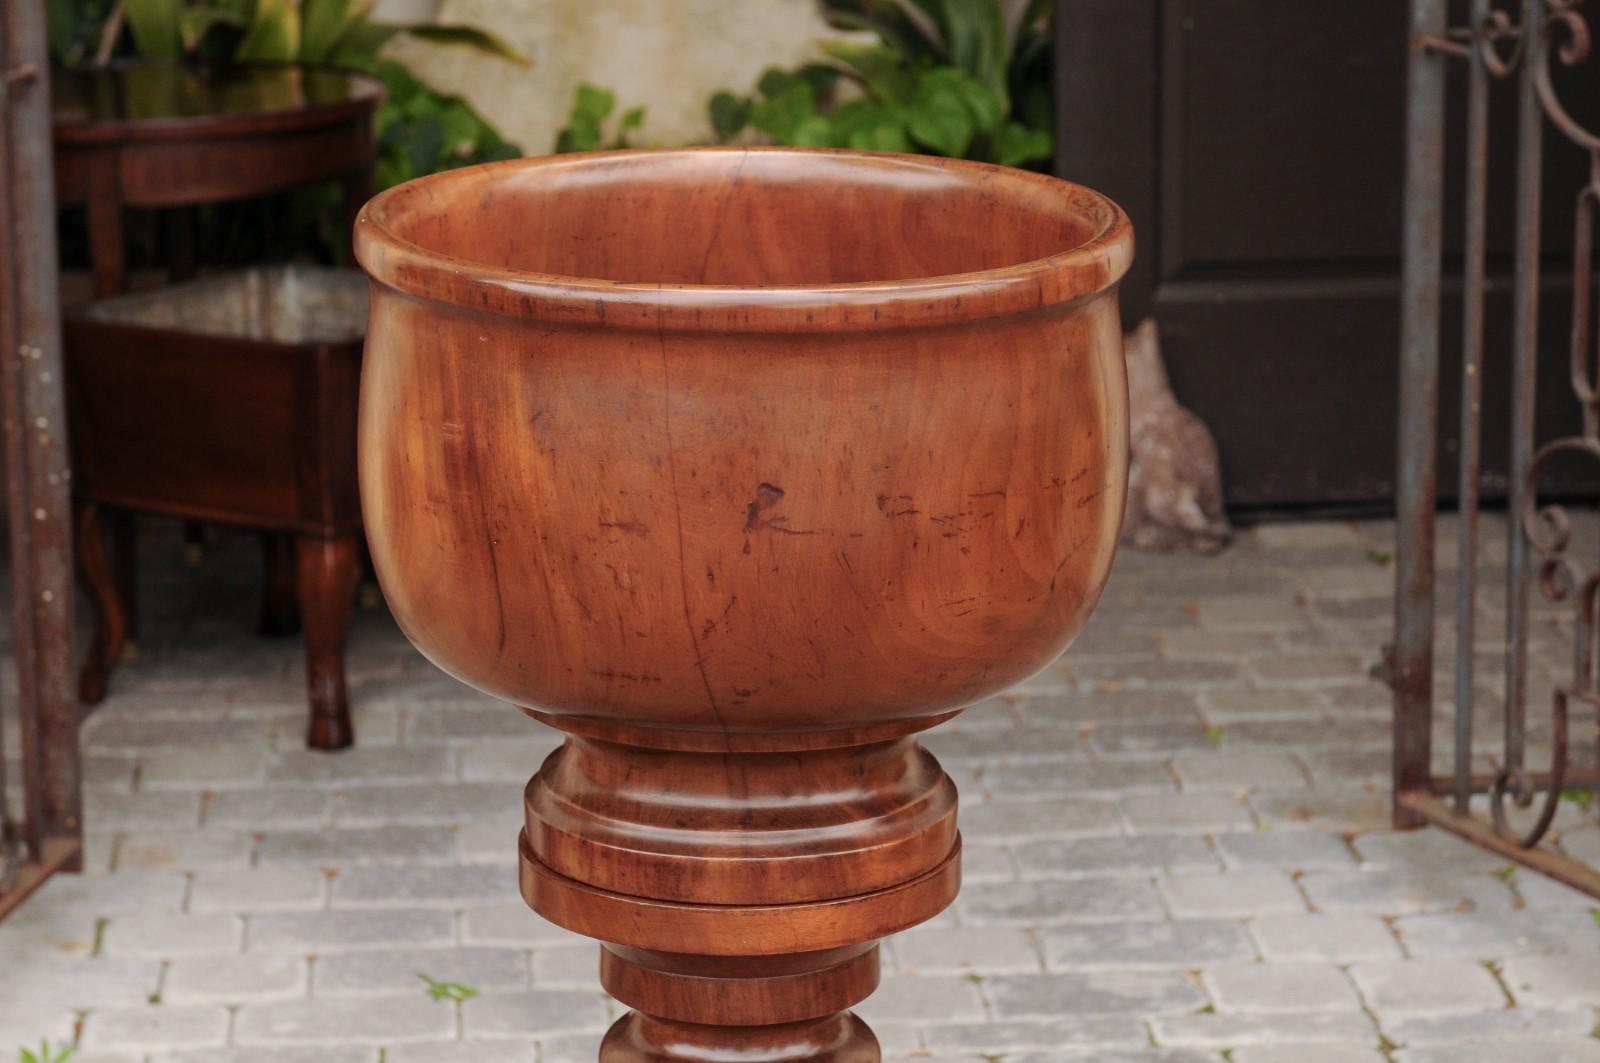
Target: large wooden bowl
{"points": [[740, 453]]}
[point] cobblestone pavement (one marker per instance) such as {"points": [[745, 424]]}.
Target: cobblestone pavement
{"points": [[1177, 851]]}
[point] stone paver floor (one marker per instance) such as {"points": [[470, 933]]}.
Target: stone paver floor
{"points": [[1177, 851]]}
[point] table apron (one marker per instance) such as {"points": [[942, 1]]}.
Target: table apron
{"points": [[180, 172]]}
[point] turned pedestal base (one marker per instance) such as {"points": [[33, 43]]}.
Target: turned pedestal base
{"points": [[740, 894]]}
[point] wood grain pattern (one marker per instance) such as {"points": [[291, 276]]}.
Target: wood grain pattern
{"points": [[742, 466]]}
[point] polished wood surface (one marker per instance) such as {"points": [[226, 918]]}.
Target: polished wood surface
{"points": [[742, 466], [169, 135]]}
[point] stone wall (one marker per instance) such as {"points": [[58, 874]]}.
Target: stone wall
{"points": [[669, 55]]}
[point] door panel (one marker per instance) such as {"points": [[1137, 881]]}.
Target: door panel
{"points": [[1257, 145]]}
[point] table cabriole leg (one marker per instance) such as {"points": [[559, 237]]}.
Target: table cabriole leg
{"points": [[326, 571], [110, 617]]}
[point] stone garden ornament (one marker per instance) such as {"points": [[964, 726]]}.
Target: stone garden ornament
{"points": [[1174, 478], [741, 467]]}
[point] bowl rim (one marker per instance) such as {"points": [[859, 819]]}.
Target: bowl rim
{"points": [[1089, 269]]}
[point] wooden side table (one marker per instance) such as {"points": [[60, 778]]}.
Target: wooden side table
{"points": [[229, 399], [169, 135]]}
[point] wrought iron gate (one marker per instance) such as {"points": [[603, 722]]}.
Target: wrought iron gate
{"points": [[1518, 46]]}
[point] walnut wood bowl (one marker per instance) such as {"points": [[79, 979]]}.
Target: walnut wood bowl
{"points": [[742, 466]]}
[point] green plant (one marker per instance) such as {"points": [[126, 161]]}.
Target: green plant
{"points": [[420, 130], [423, 131], [439, 991], [945, 76], [585, 128], [45, 1055]]}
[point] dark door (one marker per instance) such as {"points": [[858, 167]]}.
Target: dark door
{"points": [[1257, 145]]}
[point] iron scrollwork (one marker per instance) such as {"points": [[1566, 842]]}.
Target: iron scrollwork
{"points": [[1565, 37]]}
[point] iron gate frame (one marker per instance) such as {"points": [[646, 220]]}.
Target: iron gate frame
{"points": [[50, 835], [1495, 45]]}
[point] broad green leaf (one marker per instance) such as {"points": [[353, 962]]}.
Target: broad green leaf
{"points": [[324, 22], [774, 82], [780, 117], [419, 140], [631, 119], [196, 22], [467, 37], [974, 33], [814, 132], [462, 127], [499, 150], [820, 76], [274, 34], [729, 115], [940, 120], [155, 27], [358, 48], [1019, 145], [887, 134], [593, 103], [590, 106], [391, 170], [578, 137], [400, 82], [857, 114], [985, 108], [883, 71]]}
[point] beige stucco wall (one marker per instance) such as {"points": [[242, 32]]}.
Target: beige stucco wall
{"points": [[669, 55]]}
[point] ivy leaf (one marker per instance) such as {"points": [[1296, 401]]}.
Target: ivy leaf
{"points": [[814, 132], [987, 111], [729, 115], [462, 128], [820, 76], [780, 117], [1018, 144], [593, 103], [577, 138], [775, 82], [887, 134], [940, 120], [860, 113], [416, 141]]}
